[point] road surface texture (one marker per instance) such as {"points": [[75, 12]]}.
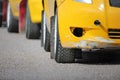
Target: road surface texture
{"points": [[23, 59]]}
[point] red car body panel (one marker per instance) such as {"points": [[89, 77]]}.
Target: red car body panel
{"points": [[4, 11], [22, 15]]}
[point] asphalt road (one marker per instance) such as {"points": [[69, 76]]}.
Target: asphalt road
{"points": [[23, 59]]}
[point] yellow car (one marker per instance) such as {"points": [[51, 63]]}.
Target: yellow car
{"points": [[33, 18], [80, 25], [24, 13], [12, 15]]}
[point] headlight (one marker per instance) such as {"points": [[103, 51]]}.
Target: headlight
{"points": [[85, 1]]}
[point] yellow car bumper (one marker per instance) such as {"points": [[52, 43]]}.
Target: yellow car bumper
{"points": [[73, 15]]}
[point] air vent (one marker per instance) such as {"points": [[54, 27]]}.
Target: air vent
{"points": [[114, 33]]}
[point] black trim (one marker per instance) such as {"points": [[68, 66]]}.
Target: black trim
{"points": [[43, 3]]}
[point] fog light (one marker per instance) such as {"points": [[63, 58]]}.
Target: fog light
{"points": [[78, 32]]}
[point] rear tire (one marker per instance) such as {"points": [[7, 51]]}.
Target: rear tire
{"points": [[12, 22], [60, 54], [32, 29], [45, 35]]}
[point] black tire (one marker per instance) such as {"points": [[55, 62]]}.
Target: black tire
{"points": [[60, 54], [12, 22], [45, 35], [0, 21], [78, 54], [32, 29]]}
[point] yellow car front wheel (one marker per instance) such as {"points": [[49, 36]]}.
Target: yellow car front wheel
{"points": [[45, 35], [12, 22], [32, 29], [60, 54]]}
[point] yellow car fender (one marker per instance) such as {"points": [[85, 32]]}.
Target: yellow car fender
{"points": [[35, 8], [14, 5], [96, 24]]}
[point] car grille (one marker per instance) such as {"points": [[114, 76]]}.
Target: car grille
{"points": [[114, 33]]}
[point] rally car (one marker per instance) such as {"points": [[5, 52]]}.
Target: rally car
{"points": [[24, 15], [84, 25]]}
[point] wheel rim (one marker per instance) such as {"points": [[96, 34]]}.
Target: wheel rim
{"points": [[44, 29], [55, 35], [8, 16]]}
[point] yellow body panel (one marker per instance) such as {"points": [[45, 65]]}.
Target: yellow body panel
{"points": [[82, 15], [49, 10], [14, 5], [35, 8]]}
